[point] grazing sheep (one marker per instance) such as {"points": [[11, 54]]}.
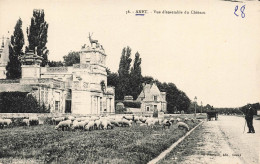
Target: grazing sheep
{"points": [[150, 123], [5, 122], [178, 119], [64, 125], [72, 118], [186, 119], [57, 120], [166, 123], [33, 120], [129, 117], [98, 124], [1, 123], [114, 122], [182, 125], [125, 123], [79, 125], [142, 119], [26, 122], [90, 126], [171, 120], [105, 124]]}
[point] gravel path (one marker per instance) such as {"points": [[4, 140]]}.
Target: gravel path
{"points": [[221, 141]]}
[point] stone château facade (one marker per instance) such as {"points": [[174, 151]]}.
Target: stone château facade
{"points": [[79, 89]]}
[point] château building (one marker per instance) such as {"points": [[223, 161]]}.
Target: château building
{"points": [[79, 89]]}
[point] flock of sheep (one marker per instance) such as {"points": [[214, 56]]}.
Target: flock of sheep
{"points": [[109, 122], [104, 122]]}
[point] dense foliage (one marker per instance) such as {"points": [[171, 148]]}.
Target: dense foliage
{"points": [[124, 74], [136, 77], [20, 102], [55, 64], [129, 80], [13, 67], [72, 58], [37, 35]]}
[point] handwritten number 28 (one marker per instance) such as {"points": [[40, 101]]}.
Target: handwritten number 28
{"points": [[242, 9]]}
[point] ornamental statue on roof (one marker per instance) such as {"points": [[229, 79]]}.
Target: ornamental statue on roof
{"points": [[95, 42]]}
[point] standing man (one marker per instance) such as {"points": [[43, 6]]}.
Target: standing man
{"points": [[249, 119]]}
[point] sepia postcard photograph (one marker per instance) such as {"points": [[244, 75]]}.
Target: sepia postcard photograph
{"points": [[130, 82]]}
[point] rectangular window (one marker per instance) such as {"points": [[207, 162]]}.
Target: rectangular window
{"points": [[155, 107], [46, 97], [42, 96], [57, 105], [155, 98]]}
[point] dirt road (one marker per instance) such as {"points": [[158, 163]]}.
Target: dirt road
{"points": [[221, 141]]}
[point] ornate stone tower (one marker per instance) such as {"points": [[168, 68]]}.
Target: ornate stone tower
{"points": [[90, 94], [30, 67]]}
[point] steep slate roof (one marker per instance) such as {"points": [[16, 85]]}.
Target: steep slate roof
{"points": [[149, 91]]}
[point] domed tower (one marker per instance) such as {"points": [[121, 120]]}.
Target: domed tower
{"points": [[30, 64]]}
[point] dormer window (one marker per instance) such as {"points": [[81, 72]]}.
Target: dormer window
{"points": [[155, 98]]}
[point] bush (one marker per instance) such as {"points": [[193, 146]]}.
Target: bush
{"points": [[132, 104], [20, 102]]}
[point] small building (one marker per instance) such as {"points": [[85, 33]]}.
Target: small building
{"points": [[152, 99]]}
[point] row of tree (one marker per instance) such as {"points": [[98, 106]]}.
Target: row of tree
{"points": [[128, 81], [37, 39]]}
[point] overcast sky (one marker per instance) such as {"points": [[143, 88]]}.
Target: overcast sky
{"points": [[214, 56]]}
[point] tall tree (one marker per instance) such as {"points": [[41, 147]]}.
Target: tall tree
{"points": [[37, 35], [15, 50], [112, 80], [136, 77], [124, 73], [72, 58]]}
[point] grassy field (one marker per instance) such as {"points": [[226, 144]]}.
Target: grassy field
{"points": [[43, 144]]}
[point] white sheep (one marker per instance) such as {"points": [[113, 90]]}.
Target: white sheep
{"points": [[128, 117], [114, 122], [4, 122], [142, 119], [98, 124], [79, 125], [64, 124], [72, 118], [26, 122], [178, 119], [105, 124], [150, 123], [182, 125], [33, 120], [171, 120], [1, 123], [166, 123], [90, 126], [57, 120], [186, 119], [124, 122]]}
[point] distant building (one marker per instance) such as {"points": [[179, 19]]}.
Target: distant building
{"points": [[4, 57], [152, 99], [80, 89]]}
